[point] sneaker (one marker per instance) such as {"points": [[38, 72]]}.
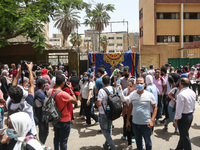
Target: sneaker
{"points": [[163, 121], [133, 140], [157, 122], [105, 146], [124, 138]]}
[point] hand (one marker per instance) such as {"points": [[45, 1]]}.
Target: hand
{"points": [[20, 69], [175, 124], [88, 102], [150, 124], [5, 139], [29, 66], [128, 124], [69, 85]]}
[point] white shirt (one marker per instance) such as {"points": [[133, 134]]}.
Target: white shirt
{"points": [[185, 102], [124, 96], [102, 96], [85, 88], [167, 84], [25, 93], [172, 103], [53, 81]]}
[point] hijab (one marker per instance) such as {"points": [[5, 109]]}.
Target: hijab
{"points": [[22, 124], [4, 74], [149, 79]]}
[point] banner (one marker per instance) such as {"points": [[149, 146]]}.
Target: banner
{"points": [[111, 59]]}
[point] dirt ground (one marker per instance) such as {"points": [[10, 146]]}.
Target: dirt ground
{"points": [[87, 137]]}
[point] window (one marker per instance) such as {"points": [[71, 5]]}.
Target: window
{"points": [[111, 44], [168, 16], [191, 15], [167, 39], [119, 44], [141, 14], [111, 38], [119, 38], [141, 32], [191, 38]]}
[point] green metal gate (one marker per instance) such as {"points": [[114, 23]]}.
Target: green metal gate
{"points": [[177, 62]]}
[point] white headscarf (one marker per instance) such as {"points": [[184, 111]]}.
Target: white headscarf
{"points": [[22, 124], [149, 79]]}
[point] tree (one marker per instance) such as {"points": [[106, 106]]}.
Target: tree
{"points": [[66, 21], [104, 43], [99, 17], [76, 39], [27, 18]]}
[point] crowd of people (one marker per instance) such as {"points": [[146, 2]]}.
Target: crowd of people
{"points": [[157, 92]]}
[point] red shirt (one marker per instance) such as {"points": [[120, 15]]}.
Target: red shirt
{"points": [[69, 105], [14, 73], [61, 100]]}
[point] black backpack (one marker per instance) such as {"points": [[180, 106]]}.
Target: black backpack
{"points": [[114, 106], [50, 112]]}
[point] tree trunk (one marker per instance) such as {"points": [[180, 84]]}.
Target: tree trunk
{"points": [[99, 41]]}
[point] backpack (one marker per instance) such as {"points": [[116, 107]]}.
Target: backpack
{"points": [[50, 112], [114, 106], [19, 109], [26, 146]]}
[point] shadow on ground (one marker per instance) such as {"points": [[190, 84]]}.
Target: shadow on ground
{"points": [[195, 141], [195, 126], [163, 134]]}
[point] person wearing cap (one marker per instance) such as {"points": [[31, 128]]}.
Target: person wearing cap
{"points": [[39, 99]]}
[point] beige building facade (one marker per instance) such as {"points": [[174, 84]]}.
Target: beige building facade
{"points": [[170, 22]]}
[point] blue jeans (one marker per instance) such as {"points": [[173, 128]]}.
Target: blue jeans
{"points": [[142, 131], [171, 116], [106, 128], [61, 134]]}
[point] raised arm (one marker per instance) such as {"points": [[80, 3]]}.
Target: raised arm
{"points": [[31, 79], [17, 77]]}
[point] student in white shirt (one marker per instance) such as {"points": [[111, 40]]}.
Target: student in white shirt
{"points": [[184, 113], [86, 91], [104, 122]]}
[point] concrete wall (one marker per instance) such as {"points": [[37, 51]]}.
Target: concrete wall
{"points": [[148, 22], [156, 55]]}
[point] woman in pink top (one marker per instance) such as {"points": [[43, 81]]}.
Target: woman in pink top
{"points": [[46, 77]]}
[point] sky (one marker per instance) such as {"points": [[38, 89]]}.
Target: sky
{"points": [[127, 10]]}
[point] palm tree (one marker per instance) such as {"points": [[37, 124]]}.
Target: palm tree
{"points": [[104, 43], [66, 21], [76, 39], [99, 17]]}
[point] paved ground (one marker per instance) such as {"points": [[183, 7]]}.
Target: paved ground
{"points": [[84, 137]]}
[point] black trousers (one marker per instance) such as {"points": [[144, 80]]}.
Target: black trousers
{"points": [[184, 125], [128, 132], [89, 113], [166, 101]]}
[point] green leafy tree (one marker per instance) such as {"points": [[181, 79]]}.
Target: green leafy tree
{"points": [[27, 18], [104, 43], [66, 21], [76, 39], [99, 17]]}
